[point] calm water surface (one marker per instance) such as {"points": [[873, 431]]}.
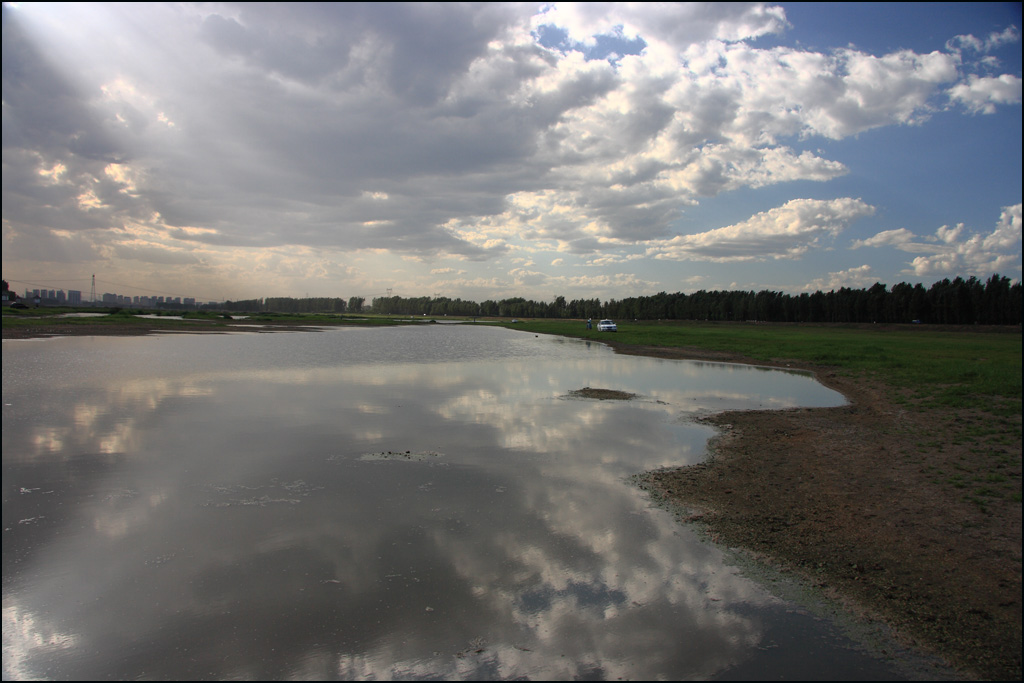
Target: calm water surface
{"points": [[401, 503]]}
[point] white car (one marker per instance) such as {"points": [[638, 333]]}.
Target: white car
{"points": [[607, 326]]}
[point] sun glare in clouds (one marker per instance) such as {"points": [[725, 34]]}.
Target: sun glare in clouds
{"points": [[422, 147]]}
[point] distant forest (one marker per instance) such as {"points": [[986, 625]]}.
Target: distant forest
{"points": [[950, 302]]}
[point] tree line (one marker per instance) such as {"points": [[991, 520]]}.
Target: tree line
{"points": [[285, 304], [952, 302], [516, 307]]}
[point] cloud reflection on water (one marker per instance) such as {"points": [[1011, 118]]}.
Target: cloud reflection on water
{"points": [[226, 513]]}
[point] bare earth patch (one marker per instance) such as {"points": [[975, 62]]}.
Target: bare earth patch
{"points": [[602, 394]]}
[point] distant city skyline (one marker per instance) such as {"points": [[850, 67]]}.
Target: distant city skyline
{"points": [[492, 150], [76, 297], [22, 288]]}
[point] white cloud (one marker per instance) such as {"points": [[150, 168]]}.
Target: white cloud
{"points": [[983, 94], [786, 232], [675, 24], [894, 88], [435, 131], [956, 251], [859, 277], [522, 277], [897, 238], [768, 94], [994, 40]]}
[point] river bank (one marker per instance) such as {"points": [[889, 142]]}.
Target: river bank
{"points": [[136, 327], [863, 502], [858, 501]]}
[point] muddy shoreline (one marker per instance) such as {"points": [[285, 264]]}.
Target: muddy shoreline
{"points": [[846, 499]]}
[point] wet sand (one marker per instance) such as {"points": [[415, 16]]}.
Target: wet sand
{"points": [[854, 500]]}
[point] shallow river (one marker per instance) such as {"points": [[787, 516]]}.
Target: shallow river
{"points": [[398, 503]]}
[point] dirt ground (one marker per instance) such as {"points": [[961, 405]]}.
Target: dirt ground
{"points": [[904, 516], [876, 504]]}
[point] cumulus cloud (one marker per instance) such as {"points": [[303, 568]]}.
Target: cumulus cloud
{"points": [[994, 40], [436, 130], [860, 277], [674, 23], [982, 95], [956, 250], [898, 237], [786, 232]]}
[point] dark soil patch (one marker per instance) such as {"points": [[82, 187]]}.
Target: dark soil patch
{"points": [[602, 394]]}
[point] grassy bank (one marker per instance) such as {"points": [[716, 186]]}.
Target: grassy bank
{"points": [[950, 368], [973, 372], [56, 321]]}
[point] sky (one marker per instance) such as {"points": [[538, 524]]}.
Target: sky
{"points": [[495, 150]]}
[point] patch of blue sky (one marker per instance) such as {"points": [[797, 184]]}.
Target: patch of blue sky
{"points": [[608, 47], [883, 27]]}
